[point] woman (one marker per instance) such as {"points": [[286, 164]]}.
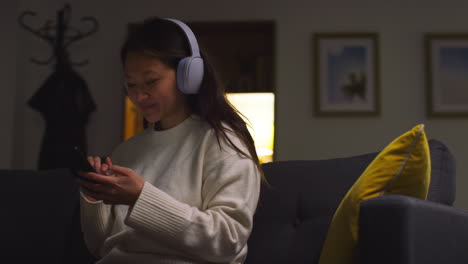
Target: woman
{"points": [[186, 188]]}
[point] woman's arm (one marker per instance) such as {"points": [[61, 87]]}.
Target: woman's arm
{"points": [[220, 229], [96, 217], [96, 223]]}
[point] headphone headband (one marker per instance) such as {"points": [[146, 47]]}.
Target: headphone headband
{"points": [[190, 36], [190, 70]]}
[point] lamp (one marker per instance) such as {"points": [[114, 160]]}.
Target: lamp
{"points": [[258, 110], [133, 120]]}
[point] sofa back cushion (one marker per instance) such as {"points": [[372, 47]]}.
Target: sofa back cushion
{"points": [[443, 174], [295, 209], [403, 167]]}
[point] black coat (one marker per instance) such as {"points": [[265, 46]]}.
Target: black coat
{"points": [[65, 103]]}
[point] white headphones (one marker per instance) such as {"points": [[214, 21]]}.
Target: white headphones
{"points": [[190, 69]]}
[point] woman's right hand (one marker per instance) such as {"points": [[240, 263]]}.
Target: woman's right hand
{"points": [[99, 167]]}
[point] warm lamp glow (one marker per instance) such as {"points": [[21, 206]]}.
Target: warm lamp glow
{"points": [[258, 110], [133, 120]]}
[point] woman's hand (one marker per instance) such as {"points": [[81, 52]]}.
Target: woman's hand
{"points": [[124, 187], [95, 162], [99, 167]]}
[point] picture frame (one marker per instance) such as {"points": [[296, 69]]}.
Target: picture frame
{"points": [[346, 74], [446, 62]]}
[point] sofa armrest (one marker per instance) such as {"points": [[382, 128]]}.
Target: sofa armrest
{"points": [[405, 230]]}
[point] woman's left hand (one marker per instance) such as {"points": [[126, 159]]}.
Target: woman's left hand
{"points": [[122, 187]]}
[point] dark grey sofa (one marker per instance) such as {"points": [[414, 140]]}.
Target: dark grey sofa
{"points": [[39, 217], [294, 212]]}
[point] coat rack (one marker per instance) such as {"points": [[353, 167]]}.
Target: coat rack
{"points": [[63, 99], [59, 35]]}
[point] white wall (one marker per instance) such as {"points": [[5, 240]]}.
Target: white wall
{"points": [[299, 134]]}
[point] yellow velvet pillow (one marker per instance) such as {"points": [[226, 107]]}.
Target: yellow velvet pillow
{"points": [[403, 167]]}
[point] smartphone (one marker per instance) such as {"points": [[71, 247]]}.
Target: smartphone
{"points": [[80, 162]]}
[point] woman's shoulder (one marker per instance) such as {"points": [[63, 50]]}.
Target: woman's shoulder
{"points": [[131, 144], [224, 142]]}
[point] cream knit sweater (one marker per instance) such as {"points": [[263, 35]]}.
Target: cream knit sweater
{"points": [[196, 205]]}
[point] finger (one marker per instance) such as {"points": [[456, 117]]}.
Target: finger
{"points": [[122, 170], [97, 192], [95, 187], [104, 168], [88, 192], [91, 194], [91, 161], [94, 195], [98, 178], [109, 161], [83, 175], [97, 163], [109, 164]]}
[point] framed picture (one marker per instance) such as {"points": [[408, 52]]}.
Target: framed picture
{"points": [[447, 75], [346, 74]]}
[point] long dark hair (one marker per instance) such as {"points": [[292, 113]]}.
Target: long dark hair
{"points": [[164, 40]]}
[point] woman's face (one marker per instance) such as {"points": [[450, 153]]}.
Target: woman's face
{"points": [[151, 86]]}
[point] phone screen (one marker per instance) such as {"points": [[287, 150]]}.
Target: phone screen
{"points": [[80, 162]]}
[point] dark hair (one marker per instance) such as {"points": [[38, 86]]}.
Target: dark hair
{"points": [[163, 39]]}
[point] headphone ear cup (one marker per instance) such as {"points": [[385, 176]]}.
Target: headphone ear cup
{"points": [[190, 75]]}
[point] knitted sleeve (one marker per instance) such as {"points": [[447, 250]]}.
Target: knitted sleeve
{"points": [[96, 223], [219, 230], [97, 220]]}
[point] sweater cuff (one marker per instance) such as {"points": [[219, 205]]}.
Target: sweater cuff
{"points": [[96, 212], [95, 209], [86, 201], [156, 211]]}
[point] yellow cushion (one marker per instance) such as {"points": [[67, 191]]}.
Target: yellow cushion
{"points": [[403, 167]]}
